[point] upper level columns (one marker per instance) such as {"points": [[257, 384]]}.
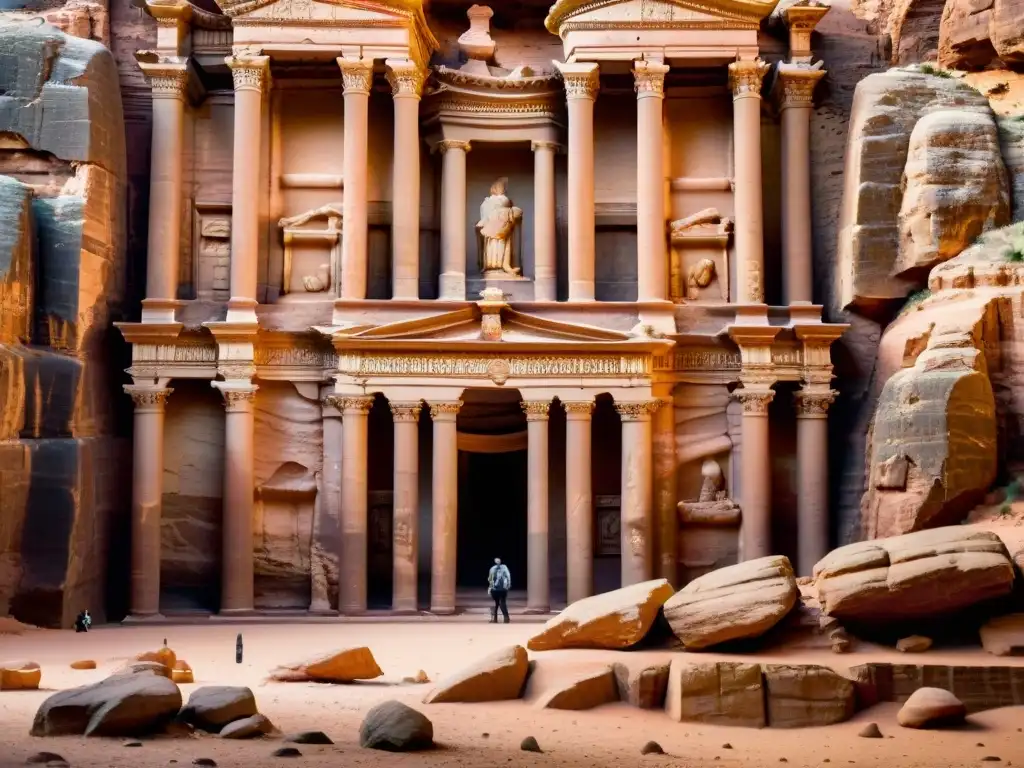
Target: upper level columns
{"points": [[745, 81], [406, 79], [169, 83], [652, 249], [545, 240], [251, 75], [797, 86], [453, 219], [581, 86], [357, 75], [147, 496]]}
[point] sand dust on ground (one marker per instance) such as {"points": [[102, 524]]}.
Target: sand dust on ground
{"points": [[469, 735]]}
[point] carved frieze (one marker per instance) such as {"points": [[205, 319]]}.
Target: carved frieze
{"points": [[480, 366], [706, 360], [294, 356]]}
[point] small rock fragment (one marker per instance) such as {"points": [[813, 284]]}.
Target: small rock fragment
{"points": [[309, 737], [727, 745], [914, 644], [870, 731], [83, 664], [209, 762], [46, 758], [931, 707], [991, 759], [529, 744], [286, 752], [652, 748], [420, 678], [133, 744]]}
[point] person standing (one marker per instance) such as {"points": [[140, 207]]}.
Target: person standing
{"points": [[499, 581]]}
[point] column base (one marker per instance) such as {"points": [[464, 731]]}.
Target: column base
{"points": [[536, 610], [442, 610], [318, 611], [405, 612], [159, 310], [581, 290], [405, 289], [545, 289], [237, 612], [241, 310], [143, 618], [453, 286]]}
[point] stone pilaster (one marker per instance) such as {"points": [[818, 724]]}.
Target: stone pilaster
{"points": [[812, 476], [651, 240], [637, 490], [147, 497], [446, 505], [357, 75], [537, 587], [579, 500], [453, 219], [406, 417]]}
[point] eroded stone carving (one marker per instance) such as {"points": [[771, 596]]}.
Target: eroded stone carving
{"points": [[292, 227], [713, 507], [497, 226]]}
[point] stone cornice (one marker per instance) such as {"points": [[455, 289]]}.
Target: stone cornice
{"points": [[744, 12]]}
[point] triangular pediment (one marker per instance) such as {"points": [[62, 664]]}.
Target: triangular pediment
{"points": [[654, 14]]}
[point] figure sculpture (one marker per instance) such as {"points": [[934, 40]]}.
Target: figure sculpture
{"points": [[713, 507], [498, 220]]}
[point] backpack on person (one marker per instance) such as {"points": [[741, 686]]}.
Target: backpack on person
{"points": [[502, 579]]}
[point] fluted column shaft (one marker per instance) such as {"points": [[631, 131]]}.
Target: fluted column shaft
{"points": [[239, 483], [651, 239], [579, 500], [453, 219], [147, 497], [665, 488], [812, 477], [445, 511], [581, 86], [406, 80], [755, 473], [745, 81], [355, 497], [169, 84], [795, 104], [544, 231], [357, 75], [251, 76], [537, 586], [637, 490], [406, 506]]}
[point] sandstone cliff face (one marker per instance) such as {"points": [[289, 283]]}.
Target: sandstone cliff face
{"points": [[62, 170]]}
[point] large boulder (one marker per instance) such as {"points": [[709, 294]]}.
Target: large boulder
{"points": [[344, 666], [396, 727], [212, 707], [806, 695], [718, 693], [584, 691], [931, 708], [497, 677], [251, 727], [121, 705], [19, 675], [920, 575], [739, 601], [614, 620], [1003, 635], [955, 188]]}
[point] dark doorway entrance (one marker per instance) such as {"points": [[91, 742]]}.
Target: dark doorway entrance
{"points": [[492, 517]]}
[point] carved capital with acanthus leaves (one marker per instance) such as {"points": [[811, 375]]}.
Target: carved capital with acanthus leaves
{"points": [[755, 401], [814, 403], [356, 75], [796, 85], [578, 410], [237, 399], [167, 80], [536, 410], [408, 413], [445, 411], [358, 405], [148, 399], [637, 411], [249, 73], [459, 146], [746, 77], [649, 78], [582, 80], [406, 78]]}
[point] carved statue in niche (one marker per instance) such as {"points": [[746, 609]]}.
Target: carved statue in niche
{"points": [[706, 231], [322, 277], [713, 507], [498, 221]]}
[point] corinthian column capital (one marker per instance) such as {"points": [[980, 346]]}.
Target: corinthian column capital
{"points": [[637, 411], [755, 401], [356, 74], [536, 410], [249, 73], [796, 84], [814, 403], [405, 77], [649, 78], [582, 80], [148, 398], [444, 146], [745, 77], [406, 412], [168, 81]]}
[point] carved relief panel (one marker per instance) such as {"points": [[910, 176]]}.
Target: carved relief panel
{"points": [[212, 249], [608, 538]]}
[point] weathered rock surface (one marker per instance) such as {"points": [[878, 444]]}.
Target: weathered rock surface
{"points": [[931, 708], [1011, 142], [19, 675], [955, 188], [614, 620], [582, 692], [343, 666], [739, 601], [985, 264], [978, 687], [800, 696], [250, 727], [395, 727], [642, 684], [212, 707], [121, 705], [1003, 635], [497, 677], [722, 693]]}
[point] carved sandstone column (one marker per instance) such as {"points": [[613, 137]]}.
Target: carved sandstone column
{"points": [[147, 497], [755, 470], [582, 81], [327, 526], [406, 79], [357, 75], [239, 484], [446, 507], [812, 477], [453, 220], [537, 587], [544, 231], [251, 75], [665, 485], [797, 86], [579, 500], [354, 503], [745, 82], [170, 85], [405, 533], [637, 491], [651, 241]]}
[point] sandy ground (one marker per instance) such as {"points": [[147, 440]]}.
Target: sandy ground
{"points": [[479, 735]]}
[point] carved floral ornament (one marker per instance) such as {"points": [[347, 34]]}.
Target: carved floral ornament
{"points": [[406, 412], [637, 411], [446, 144], [755, 401], [745, 77], [814, 403], [168, 82], [797, 87], [406, 78], [148, 397], [239, 399], [536, 410], [582, 408], [581, 85], [649, 78], [249, 73], [356, 75], [445, 411]]}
